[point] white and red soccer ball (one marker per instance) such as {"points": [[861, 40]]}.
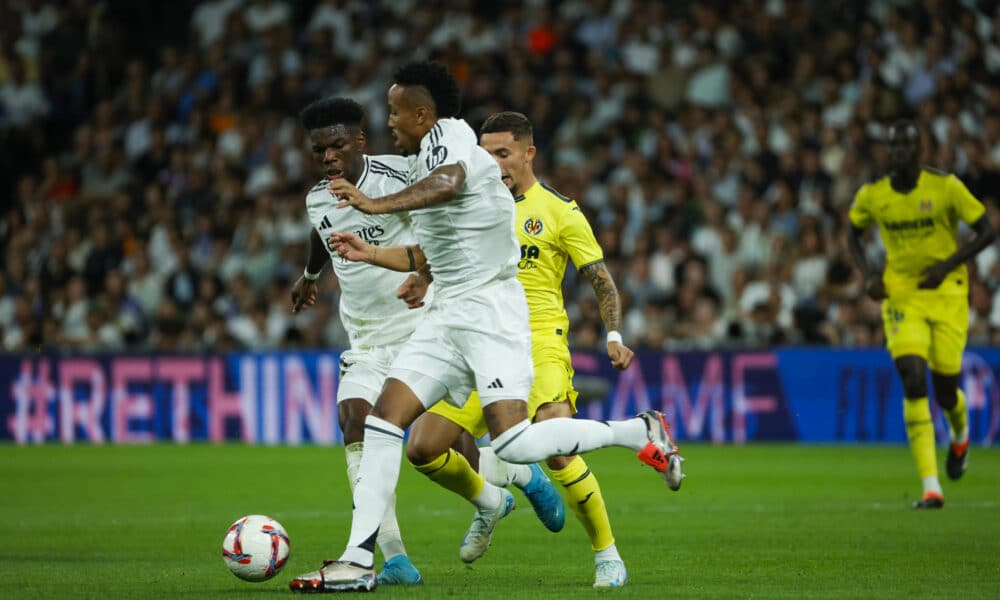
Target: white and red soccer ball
{"points": [[255, 548]]}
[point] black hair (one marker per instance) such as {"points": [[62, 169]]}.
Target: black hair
{"points": [[327, 112], [516, 123], [435, 78]]}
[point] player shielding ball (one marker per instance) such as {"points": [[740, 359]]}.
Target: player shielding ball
{"points": [[924, 292], [551, 230], [476, 333]]}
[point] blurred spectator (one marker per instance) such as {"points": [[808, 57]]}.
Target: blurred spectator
{"points": [[23, 101], [155, 194]]}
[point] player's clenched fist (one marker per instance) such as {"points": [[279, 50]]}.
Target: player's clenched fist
{"points": [[350, 247], [349, 195], [620, 354], [303, 294], [413, 290]]}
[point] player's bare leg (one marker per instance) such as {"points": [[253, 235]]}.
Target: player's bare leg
{"points": [[430, 451], [466, 446], [517, 440], [912, 371], [950, 398], [396, 408]]}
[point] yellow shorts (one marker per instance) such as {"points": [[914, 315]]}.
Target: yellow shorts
{"points": [[931, 326], [553, 383]]}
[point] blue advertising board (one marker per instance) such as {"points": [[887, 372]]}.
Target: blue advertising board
{"points": [[795, 394]]}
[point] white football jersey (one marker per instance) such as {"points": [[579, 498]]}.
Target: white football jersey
{"points": [[469, 241], [369, 309]]}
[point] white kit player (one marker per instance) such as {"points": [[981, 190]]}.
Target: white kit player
{"points": [[376, 321], [475, 335]]}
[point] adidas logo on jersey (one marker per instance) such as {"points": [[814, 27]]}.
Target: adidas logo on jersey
{"points": [[325, 223], [496, 385]]}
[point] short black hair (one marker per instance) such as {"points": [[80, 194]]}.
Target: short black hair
{"points": [[516, 123], [327, 112], [438, 82]]}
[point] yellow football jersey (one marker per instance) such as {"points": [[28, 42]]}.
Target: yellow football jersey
{"points": [[551, 230], [918, 228]]}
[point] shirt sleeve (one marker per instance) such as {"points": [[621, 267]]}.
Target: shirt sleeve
{"points": [[448, 143], [963, 202], [578, 238], [861, 214]]}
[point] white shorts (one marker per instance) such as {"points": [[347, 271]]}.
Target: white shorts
{"points": [[363, 372], [481, 341]]}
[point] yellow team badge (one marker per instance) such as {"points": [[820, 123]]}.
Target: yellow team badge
{"points": [[926, 205], [533, 226]]}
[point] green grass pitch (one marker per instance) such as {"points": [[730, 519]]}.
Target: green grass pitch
{"points": [[761, 521]]}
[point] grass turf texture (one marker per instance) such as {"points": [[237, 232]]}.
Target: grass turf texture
{"points": [[764, 521]]}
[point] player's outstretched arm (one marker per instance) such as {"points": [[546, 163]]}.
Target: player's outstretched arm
{"points": [[395, 258], [304, 289], [611, 311], [440, 186], [936, 273], [874, 286]]}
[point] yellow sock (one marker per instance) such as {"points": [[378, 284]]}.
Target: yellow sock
{"points": [[451, 471], [920, 430], [958, 419], [583, 494]]}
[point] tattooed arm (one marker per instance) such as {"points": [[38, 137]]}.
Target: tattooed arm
{"points": [[442, 185], [611, 310], [607, 294]]}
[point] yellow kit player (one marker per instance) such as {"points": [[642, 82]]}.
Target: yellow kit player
{"points": [[924, 292], [551, 231]]}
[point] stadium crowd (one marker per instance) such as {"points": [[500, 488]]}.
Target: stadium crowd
{"points": [[153, 171]]}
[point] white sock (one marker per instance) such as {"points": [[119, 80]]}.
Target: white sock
{"points": [[502, 473], [630, 433], [373, 490], [609, 553], [390, 541], [527, 443], [488, 498], [961, 437], [931, 484]]}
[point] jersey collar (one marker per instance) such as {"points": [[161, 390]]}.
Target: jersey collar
{"points": [[525, 194]]}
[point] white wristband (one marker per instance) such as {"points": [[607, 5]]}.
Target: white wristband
{"points": [[310, 276], [614, 336]]}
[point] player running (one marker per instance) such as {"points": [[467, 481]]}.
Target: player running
{"points": [[551, 231], [369, 309], [476, 333], [924, 291]]}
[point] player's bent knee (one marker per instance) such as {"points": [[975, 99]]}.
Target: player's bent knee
{"points": [[419, 454], [913, 375], [914, 386], [914, 382], [397, 404], [945, 390]]}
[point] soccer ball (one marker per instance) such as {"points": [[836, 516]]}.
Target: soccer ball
{"points": [[255, 548]]}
